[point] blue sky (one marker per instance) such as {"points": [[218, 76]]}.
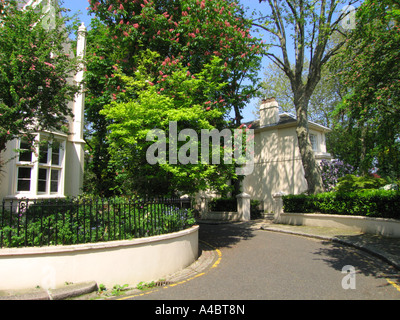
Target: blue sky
{"points": [[80, 6], [248, 112]]}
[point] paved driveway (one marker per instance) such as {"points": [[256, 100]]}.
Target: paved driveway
{"points": [[262, 265]]}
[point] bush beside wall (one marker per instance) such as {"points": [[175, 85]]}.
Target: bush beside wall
{"points": [[230, 205], [223, 204], [371, 203]]}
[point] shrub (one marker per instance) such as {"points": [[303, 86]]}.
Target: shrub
{"points": [[89, 220], [333, 170], [223, 204], [352, 183], [255, 209], [298, 203], [230, 205], [372, 203]]}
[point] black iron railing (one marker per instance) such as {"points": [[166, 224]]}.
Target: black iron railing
{"points": [[82, 220]]}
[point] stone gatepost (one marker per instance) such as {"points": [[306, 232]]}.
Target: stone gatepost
{"points": [[278, 205], [204, 206], [243, 206]]}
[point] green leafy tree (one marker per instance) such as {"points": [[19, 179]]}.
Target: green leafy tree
{"points": [[100, 86], [192, 30], [307, 26], [185, 34], [155, 107], [328, 93], [34, 71], [369, 116]]}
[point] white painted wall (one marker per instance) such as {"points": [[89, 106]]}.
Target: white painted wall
{"points": [[277, 161], [278, 166], [377, 226], [108, 263]]}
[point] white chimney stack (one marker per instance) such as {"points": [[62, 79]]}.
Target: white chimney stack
{"points": [[269, 112]]}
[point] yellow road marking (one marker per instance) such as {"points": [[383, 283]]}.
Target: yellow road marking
{"points": [[394, 284], [184, 281], [219, 255]]}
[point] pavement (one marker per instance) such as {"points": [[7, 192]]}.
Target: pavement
{"points": [[387, 249], [68, 291]]}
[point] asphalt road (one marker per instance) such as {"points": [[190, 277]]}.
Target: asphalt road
{"points": [[263, 265]]}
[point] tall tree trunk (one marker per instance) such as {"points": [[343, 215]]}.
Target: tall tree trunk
{"points": [[312, 172], [364, 164], [3, 142]]}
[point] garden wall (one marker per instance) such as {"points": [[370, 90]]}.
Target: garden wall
{"points": [[242, 212], [222, 216], [108, 263], [378, 226]]}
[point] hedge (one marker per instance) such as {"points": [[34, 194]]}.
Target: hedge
{"points": [[371, 203], [223, 204], [230, 204]]}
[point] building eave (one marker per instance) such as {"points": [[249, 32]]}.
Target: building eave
{"points": [[287, 120]]}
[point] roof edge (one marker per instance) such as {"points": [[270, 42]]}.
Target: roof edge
{"points": [[290, 123]]}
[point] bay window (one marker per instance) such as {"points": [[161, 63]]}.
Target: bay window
{"points": [[40, 173]]}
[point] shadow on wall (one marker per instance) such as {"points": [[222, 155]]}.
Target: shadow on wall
{"points": [[278, 167]]}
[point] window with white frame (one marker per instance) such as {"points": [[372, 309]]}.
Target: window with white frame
{"points": [[50, 166], [40, 173], [24, 166], [313, 140]]}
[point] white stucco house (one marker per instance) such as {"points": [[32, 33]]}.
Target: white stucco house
{"points": [[54, 169], [277, 166], [277, 161]]}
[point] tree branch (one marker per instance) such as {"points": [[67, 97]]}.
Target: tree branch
{"points": [[282, 38]]}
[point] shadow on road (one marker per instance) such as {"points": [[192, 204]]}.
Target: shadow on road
{"points": [[225, 235], [340, 255], [336, 255]]}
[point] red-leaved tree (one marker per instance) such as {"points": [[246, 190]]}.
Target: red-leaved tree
{"points": [[184, 33]]}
